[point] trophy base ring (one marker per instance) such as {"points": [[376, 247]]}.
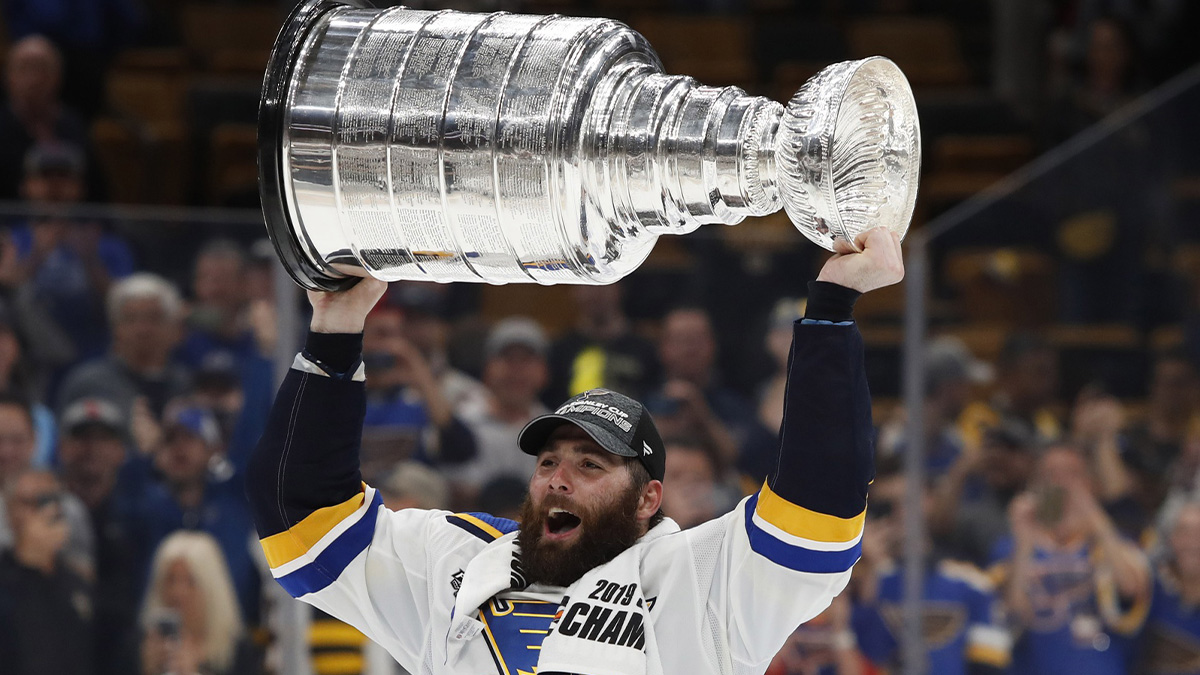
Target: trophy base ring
{"points": [[271, 111]]}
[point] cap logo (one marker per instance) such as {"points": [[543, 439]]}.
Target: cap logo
{"points": [[608, 413], [646, 450]]}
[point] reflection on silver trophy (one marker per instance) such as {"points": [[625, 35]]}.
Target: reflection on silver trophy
{"points": [[448, 146]]}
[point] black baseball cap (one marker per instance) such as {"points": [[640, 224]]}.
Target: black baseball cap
{"points": [[618, 423]]}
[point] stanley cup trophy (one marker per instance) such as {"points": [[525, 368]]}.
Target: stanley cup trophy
{"points": [[446, 146]]}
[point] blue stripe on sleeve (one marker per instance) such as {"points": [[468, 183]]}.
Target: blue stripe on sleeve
{"points": [[797, 558], [329, 565]]}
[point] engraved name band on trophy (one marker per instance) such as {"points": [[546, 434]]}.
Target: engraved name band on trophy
{"points": [[448, 146]]}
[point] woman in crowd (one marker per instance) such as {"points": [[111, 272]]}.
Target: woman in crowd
{"points": [[190, 619]]}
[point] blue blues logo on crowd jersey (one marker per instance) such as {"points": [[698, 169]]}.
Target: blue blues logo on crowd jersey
{"points": [[514, 631]]}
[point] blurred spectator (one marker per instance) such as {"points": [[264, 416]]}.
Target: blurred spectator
{"points": [[69, 265], [220, 336], [407, 415], [91, 458], [1096, 424], [1027, 381], [1108, 78], [962, 621], [259, 282], [51, 601], [950, 371], [514, 372], [1171, 644], [200, 492], [971, 500], [601, 350], [218, 320], [694, 491], [1073, 585], [34, 112], [190, 617], [1153, 445], [17, 446], [502, 497], [825, 645], [13, 379], [425, 308], [145, 312], [692, 400], [412, 485], [88, 31], [778, 342]]}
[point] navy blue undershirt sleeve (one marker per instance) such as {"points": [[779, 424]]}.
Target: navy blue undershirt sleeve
{"points": [[826, 454], [307, 458]]}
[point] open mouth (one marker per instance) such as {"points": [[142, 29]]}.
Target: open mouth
{"points": [[561, 522]]}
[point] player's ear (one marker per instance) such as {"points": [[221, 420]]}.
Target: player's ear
{"points": [[650, 500]]}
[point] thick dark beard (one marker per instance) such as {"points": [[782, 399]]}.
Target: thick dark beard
{"points": [[606, 531]]}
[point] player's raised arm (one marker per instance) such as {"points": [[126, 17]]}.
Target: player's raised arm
{"points": [[303, 480], [809, 515]]}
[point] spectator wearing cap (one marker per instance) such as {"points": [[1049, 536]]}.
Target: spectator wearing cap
{"points": [[146, 314], [34, 112], [197, 491], [17, 445], [68, 265], [515, 372], [92, 456], [405, 404], [1027, 383], [692, 400], [601, 350], [950, 372], [426, 307]]}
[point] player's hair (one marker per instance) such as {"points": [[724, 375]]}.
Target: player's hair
{"points": [[641, 478], [205, 562], [141, 286]]}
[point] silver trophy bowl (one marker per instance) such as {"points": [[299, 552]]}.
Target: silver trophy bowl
{"points": [[448, 146]]}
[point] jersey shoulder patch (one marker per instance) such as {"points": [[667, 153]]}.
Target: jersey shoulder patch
{"points": [[482, 525]]}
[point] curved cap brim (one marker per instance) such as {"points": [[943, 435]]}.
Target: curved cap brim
{"points": [[532, 439]]}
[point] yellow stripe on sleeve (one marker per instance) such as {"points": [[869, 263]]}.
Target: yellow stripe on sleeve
{"points": [[286, 546], [480, 524], [801, 522], [988, 655]]}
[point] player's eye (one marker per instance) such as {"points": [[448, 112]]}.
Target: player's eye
{"points": [[591, 465], [547, 462]]}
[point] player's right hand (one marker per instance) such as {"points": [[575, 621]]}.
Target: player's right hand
{"points": [[345, 311]]}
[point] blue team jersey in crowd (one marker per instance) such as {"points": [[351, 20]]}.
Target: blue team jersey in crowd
{"points": [[963, 623], [1171, 642], [1079, 624]]}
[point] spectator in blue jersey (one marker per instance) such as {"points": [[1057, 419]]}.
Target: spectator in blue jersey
{"points": [[407, 414], [69, 265], [962, 620], [692, 399], [198, 493], [1171, 641], [601, 349], [1073, 585]]}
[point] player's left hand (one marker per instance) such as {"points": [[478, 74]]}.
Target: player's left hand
{"points": [[879, 263]]}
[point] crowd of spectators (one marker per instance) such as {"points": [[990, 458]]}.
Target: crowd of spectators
{"points": [[1062, 534]]}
